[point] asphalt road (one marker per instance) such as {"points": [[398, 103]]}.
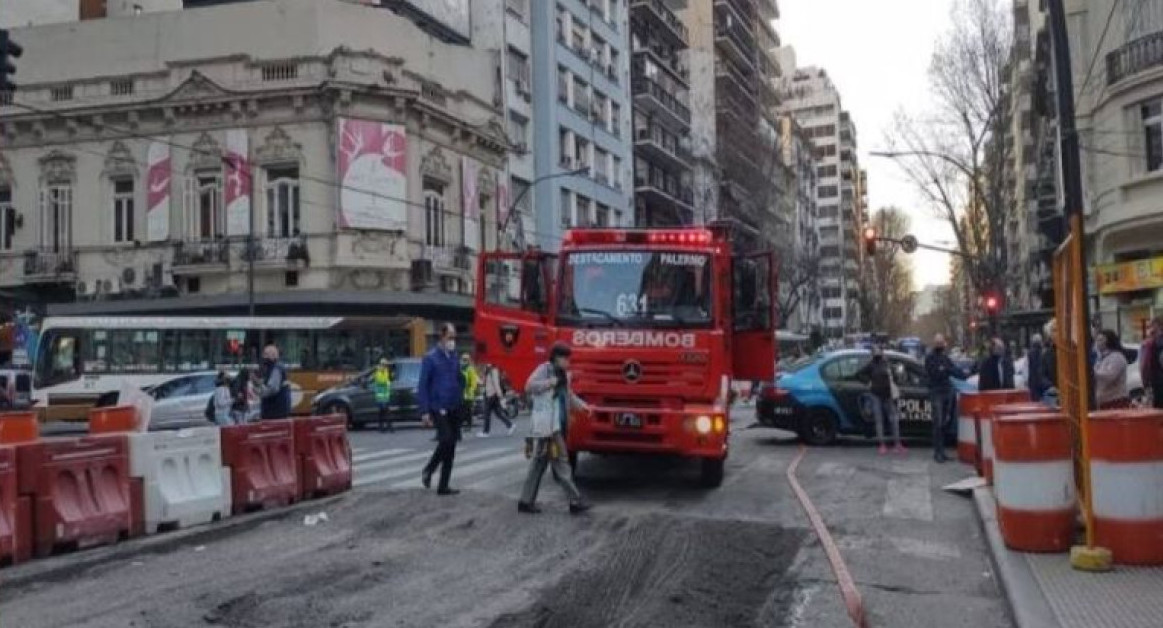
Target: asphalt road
{"points": [[656, 550]]}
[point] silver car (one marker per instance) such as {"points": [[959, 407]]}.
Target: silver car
{"points": [[182, 401]]}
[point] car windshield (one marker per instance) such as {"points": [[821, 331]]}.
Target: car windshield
{"points": [[799, 364], [639, 288]]}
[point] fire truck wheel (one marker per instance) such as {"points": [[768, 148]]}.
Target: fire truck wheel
{"points": [[818, 428], [711, 473]]}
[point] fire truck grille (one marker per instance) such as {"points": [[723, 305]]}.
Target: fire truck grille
{"points": [[650, 373]]}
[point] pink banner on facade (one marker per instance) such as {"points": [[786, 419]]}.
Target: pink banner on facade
{"points": [[157, 195], [502, 199], [238, 183], [469, 171], [373, 177]]}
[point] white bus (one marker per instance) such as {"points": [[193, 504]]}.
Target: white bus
{"points": [[82, 361]]}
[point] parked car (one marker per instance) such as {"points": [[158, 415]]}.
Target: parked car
{"points": [[820, 398], [357, 400], [15, 389]]}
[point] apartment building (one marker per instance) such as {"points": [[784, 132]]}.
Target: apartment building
{"points": [[660, 82], [146, 167], [811, 98], [800, 257], [581, 141]]}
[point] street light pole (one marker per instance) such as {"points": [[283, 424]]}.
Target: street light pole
{"points": [[513, 206]]}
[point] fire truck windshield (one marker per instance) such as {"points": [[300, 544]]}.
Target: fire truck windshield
{"points": [[636, 288]]}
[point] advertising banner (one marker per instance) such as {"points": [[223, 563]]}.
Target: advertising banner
{"points": [[1143, 274], [158, 192], [470, 199], [238, 183], [373, 175]]}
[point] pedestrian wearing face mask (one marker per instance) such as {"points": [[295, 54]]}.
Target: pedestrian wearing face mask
{"points": [[997, 370], [274, 389], [882, 397], [940, 369], [440, 397], [1110, 372]]}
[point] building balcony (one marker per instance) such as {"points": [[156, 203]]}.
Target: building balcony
{"points": [[45, 266], [277, 252], [660, 202], [742, 10], [661, 57], [744, 85], [448, 259], [656, 100], [201, 256], [656, 146], [735, 40], [664, 22], [1134, 57]]}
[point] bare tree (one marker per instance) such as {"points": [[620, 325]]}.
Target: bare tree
{"points": [[957, 155], [799, 274], [886, 296]]}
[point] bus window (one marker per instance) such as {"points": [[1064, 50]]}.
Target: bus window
{"points": [[194, 350], [294, 347], [339, 350]]}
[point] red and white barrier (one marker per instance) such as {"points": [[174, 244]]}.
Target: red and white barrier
{"points": [[1126, 477], [990, 401], [969, 406], [1034, 481]]}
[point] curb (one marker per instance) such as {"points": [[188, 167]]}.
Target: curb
{"points": [[63, 566], [1027, 602]]}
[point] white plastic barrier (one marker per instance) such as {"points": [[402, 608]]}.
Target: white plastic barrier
{"points": [[183, 480]]}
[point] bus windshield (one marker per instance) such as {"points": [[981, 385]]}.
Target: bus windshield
{"points": [[639, 288]]}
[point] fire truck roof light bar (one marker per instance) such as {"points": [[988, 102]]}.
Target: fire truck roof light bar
{"points": [[688, 237]]}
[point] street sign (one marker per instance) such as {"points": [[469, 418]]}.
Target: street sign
{"points": [[909, 244]]}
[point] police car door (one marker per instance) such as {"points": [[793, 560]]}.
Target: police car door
{"points": [[915, 410], [847, 388]]}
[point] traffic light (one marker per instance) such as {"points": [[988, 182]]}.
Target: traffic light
{"points": [[870, 241], [9, 52], [992, 304]]}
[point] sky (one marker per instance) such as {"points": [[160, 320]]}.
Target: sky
{"points": [[879, 60]]}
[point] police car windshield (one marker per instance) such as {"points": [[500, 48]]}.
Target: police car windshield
{"points": [[636, 288]]}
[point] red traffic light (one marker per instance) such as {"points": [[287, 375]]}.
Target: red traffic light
{"points": [[869, 234]]}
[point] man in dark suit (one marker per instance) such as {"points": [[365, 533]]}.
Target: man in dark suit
{"points": [[997, 370]]}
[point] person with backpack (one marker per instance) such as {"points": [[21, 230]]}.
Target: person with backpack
{"points": [[222, 400], [382, 388]]}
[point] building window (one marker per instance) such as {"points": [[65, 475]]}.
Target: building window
{"points": [[516, 7], [582, 152], [121, 87], [123, 210], [1152, 113], [565, 146], [832, 313], [601, 165], [581, 96], [563, 81], [282, 202], [601, 109], [616, 176], [583, 212], [578, 40], [829, 211], [828, 191], [280, 71], [826, 171], [56, 203], [832, 293], [566, 209], [518, 128], [433, 213], [615, 119], [602, 216], [7, 219], [519, 67], [207, 218], [64, 92]]}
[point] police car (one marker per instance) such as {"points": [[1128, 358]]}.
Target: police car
{"points": [[822, 397]]}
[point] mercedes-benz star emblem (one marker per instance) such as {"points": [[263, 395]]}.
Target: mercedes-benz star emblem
{"points": [[632, 371]]}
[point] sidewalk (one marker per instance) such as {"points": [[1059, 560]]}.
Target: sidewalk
{"points": [[1045, 592]]}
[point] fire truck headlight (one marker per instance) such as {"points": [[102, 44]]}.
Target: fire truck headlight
{"points": [[703, 424]]}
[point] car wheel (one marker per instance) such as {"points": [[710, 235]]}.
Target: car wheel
{"points": [[819, 428], [711, 472], [336, 407]]}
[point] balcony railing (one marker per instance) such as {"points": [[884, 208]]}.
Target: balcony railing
{"points": [[202, 253], [644, 85], [48, 263], [1134, 57], [291, 250], [665, 141], [665, 16]]}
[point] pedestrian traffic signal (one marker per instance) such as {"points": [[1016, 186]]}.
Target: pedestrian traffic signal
{"points": [[9, 52], [870, 241]]}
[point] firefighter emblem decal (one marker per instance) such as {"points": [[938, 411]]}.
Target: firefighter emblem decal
{"points": [[509, 336]]}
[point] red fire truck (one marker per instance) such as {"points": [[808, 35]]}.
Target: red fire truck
{"points": [[660, 321]]}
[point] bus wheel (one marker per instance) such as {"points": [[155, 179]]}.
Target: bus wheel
{"points": [[818, 428], [711, 472]]}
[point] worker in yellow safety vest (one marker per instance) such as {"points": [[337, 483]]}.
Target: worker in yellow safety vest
{"points": [[471, 383], [382, 387]]}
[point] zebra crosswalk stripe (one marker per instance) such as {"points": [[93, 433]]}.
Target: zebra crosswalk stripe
{"points": [[408, 465], [466, 471]]}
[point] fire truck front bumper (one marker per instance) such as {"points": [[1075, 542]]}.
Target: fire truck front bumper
{"points": [[696, 434]]}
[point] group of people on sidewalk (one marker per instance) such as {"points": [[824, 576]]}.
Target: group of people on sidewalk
{"points": [[443, 390], [234, 397]]}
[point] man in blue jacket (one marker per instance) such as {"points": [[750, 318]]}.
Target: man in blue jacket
{"points": [[440, 395], [940, 369]]}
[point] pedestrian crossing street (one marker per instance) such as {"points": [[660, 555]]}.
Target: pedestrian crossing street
{"points": [[478, 466]]}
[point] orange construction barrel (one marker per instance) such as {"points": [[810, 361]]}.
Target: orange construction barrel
{"points": [[1034, 481], [1126, 478], [990, 399], [968, 404]]}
